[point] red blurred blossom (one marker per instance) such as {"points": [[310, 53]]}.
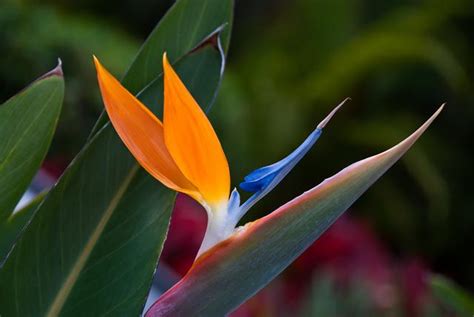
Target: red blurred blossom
{"points": [[348, 249], [412, 277], [56, 165]]}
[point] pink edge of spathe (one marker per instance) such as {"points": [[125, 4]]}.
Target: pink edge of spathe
{"points": [[220, 250]]}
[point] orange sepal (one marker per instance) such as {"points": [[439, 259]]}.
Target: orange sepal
{"points": [[191, 140], [142, 132]]}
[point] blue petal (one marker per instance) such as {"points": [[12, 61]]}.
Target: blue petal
{"points": [[254, 185], [264, 179]]}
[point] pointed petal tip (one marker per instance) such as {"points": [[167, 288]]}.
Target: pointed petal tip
{"points": [[97, 63], [323, 123], [167, 68], [99, 68], [165, 59]]}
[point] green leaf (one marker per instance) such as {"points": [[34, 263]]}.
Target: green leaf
{"points": [[184, 27], [452, 295], [94, 243], [27, 124], [181, 30], [404, 35], [341, 71], [235, 269]]}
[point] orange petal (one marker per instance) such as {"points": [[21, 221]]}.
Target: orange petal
{"points": [[142, 132], [191, 140]]}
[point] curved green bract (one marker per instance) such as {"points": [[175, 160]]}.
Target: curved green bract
{"points": [[27, 124], [235, 269]]}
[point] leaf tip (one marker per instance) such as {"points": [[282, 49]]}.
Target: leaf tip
{"points": [[323, 123], [441, 107], [398, 150], [212, 40], [57, 71], [432, 118]]}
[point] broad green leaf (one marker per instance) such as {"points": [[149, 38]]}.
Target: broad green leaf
{"points": [[94, 243], [235, 269], [452, 295], [27, 124], [184, 27]]}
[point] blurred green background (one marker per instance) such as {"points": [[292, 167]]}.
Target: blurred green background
{"points": [[290, 62]]}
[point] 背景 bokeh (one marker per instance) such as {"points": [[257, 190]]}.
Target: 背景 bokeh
{"points": [[290, 62]]}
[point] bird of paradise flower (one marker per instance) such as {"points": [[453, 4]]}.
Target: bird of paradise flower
{"points": [[184, 153]]}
